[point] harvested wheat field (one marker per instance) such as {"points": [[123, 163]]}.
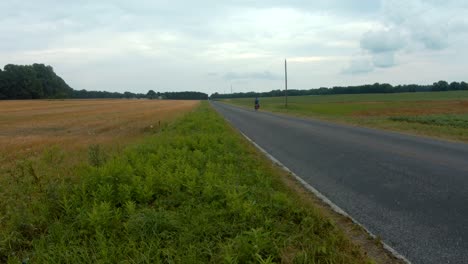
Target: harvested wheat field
{"points": [[27, 127]]}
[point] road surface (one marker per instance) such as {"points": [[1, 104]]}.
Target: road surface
{"points": [[411, 191]]}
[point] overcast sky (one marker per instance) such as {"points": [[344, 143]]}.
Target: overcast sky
{"points": [[209, 45]]}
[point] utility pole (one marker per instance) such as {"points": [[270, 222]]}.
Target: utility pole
{"points": [[286, 82], [231, 88]]}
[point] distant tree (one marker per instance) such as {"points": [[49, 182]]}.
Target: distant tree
{"points": [[32, 82], [440, 86], [367, 88], [129, 95], [463, 86], [151, 94], [185, 95], [454, 86], [386, 88], [412, 88], [2, 85], [40, 81]]}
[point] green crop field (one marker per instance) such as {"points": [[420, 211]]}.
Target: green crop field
{"points": [[193, 192], [436, 114]]}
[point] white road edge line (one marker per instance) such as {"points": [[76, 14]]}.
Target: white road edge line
{"points": [[324, 199]]}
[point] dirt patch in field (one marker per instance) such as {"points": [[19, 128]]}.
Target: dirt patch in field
{"points": [[29, 126], [417, 108]]}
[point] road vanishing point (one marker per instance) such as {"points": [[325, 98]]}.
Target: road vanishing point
{"points": [[411, 191]]}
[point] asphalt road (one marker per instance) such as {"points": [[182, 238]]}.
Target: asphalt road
{"points": [[411, 191]]}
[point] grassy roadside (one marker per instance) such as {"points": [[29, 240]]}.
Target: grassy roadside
{"points": [[436, 114], [193, 193]]}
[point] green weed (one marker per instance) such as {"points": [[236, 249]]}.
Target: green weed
{"points": [[456, 121], [96, 156], [194, 193]]}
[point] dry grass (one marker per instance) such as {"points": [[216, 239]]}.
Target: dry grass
{"points": [[27, 127]]}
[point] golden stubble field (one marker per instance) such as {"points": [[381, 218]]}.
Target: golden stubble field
{"points": [[27, 127]]}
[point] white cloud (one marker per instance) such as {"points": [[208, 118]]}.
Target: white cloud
{"points": [[173, 44], [266, 75], [382, 41], [359, 65], [382, 45], [315, 59], [409, 26], [384, 59]]}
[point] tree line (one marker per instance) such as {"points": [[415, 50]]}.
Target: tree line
{"points": [[32, 82], [39, 81], [83, 94], [360, 89]]}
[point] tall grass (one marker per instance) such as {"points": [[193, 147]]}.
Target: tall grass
{"points": [[194, 193]]}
